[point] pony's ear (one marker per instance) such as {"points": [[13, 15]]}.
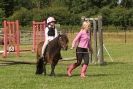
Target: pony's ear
{"points": [[65, 33], [60, 32], [59, 35]]}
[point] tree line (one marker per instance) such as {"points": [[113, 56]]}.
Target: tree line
{"points": [[68, 12]]}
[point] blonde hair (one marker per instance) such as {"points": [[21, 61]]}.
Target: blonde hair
{"points": [[86, 25]]}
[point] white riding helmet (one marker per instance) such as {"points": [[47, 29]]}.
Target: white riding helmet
{"points": [[50, 19]]}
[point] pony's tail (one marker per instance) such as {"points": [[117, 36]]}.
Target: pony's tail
{"points": [[39, 66]]}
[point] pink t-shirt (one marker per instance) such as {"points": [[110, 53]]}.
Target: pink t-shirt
{"points": [[82, 40]]}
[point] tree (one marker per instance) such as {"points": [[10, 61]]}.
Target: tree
{"points": [[2, 14], [23, 15], [127, 3], [22, 3], [8, 6], [41, 3]]}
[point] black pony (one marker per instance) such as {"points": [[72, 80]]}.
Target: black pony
{"points": [[52, 54]]}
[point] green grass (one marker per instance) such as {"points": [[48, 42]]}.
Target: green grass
{"points": [[113, 75], [116, 75]]}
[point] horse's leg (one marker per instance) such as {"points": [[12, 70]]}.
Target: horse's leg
{"points": [[60, 56], [45, 67], [53, 67], [52, 70], [39, 66]]}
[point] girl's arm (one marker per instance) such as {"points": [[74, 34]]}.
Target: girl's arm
{"points": [[46, 33], [76, 39], [56, 32]]}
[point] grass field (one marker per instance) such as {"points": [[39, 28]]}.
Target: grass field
{"points": [[113, 75]]}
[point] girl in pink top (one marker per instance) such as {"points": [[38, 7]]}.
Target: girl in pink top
{"points": [[82, 44]]}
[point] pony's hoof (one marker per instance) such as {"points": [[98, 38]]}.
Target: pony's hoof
{"points": [[38, 72], [45, 74], [52, 75], [61, 58]]}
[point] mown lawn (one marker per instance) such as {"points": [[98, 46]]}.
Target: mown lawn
{"points": [[113, 75]]}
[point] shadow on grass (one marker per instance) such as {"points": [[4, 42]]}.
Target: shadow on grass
{"points": [[98, 75], [115, 63], [109, 63], [8, 63], [92, 75]]}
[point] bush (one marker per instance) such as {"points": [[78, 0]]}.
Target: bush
{"points": [[38, 14], [105, 13], [2, 13], [23, 15]]}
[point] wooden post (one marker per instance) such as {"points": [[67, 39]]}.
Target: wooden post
{"points": [[5, 39], [100, 36], [17, 38], [95, 39], [5, 42], [90, 54], [34, 36]]}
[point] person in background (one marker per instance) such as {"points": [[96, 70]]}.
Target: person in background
{"points": [[82, 44]]}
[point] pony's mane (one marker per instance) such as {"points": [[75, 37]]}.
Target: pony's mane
{"points": [[57, 38]]}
